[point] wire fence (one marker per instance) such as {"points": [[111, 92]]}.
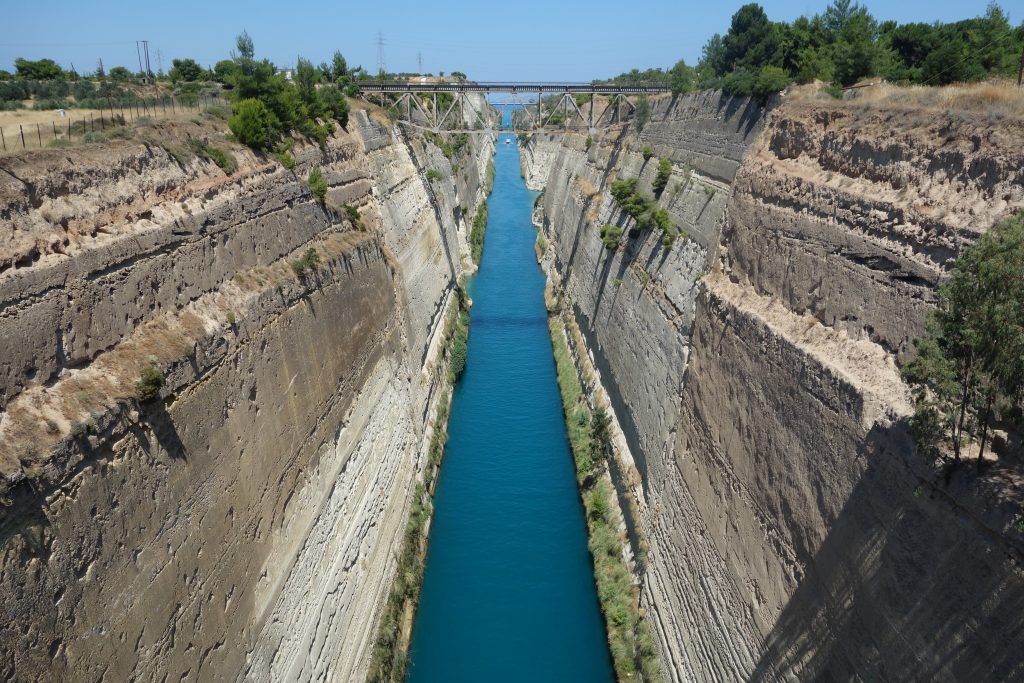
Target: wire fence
{"points": [[71, 126]]}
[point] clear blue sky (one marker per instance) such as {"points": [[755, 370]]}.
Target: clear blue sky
{"points": [[520, 39]]}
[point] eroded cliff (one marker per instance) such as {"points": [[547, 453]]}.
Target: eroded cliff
{"points": [[791, 529], [244, 523]]}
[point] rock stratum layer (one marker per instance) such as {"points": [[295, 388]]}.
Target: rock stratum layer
{"points": [[244, 523], [793, 532]]}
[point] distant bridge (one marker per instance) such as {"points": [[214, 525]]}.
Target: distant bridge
{"points": [[424, 97], [514, 87]]}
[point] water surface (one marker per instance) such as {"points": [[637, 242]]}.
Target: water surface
{"points": [[508, 592]]}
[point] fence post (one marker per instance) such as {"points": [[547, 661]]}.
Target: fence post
{"points": [[92, 125], [3, 139], [22, 131], [103, 126], [69, 128], [54, 130], [172, 105], [39, 136]]}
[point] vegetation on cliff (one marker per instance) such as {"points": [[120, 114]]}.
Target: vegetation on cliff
{"points": [[643, 209], [843, 45], [629, 634], [968, 376], [476, 235], [390, 651]]}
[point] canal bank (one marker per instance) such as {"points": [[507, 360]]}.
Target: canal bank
{"points": [[508, 593]]}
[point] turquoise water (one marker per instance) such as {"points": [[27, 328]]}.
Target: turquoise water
{"points": [[508, 593]]}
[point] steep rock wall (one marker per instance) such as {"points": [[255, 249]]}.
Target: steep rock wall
{"points": [[244, 523], [792, 530]]}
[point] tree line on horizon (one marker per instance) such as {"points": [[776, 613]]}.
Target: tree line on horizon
{"points": [[843, 45]]}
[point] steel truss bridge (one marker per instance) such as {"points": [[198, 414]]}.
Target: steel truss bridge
{"points": [[531, 99]]}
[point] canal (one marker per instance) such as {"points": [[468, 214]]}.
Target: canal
{"points": [[508, 592]]}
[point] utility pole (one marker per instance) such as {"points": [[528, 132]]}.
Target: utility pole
{"points": [[144, 69], [381, 66], [419, 62], [145, 51], [159, 62]]}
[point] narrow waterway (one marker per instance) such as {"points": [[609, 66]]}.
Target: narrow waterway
{"points": [[508, 593]]}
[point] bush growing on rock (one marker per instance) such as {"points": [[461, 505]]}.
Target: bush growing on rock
{"points": [[309, 260], [149, 384], [611, 235], [352, 213], [254, 125], [661, 179], [317, 184]]}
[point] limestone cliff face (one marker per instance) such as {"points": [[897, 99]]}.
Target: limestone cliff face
{"points": [[792, 530], [244, 524]]}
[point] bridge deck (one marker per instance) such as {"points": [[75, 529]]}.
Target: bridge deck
{"points": [[554, 88]]}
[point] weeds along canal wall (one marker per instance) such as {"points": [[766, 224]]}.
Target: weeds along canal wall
{"points": [[752, 368], [246, 522]]}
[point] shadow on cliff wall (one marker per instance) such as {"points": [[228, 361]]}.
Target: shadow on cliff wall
{"points": [[746, 110], [907, 585], [164, 432]]}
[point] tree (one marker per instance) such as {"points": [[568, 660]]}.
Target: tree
{"points": [[855, 48], [752, 41], [970, 364], [224, 71], [39, 70], [712, 61], [187, 70], [339, 68], [120, 74], [643, 112], [306, 78], [661, 178], [682, 77], [335, 104], [253, 124]]}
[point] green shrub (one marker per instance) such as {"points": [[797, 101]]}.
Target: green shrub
{"points": [[648, 152], [352, 213], [335, 104], [433, 175], [628, 632], [476, 235], [317, 184], [460, 347], [611, 235], [149, 384], [254, 125], [286, 160], [226, 160], [661, 179], [308, 261]]}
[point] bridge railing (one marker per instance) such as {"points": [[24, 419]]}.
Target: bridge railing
{"points": [[515, 87]]}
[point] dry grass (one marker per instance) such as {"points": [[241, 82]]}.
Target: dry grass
{"points": [[995, 98], [586, 187], [375, 113]]}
